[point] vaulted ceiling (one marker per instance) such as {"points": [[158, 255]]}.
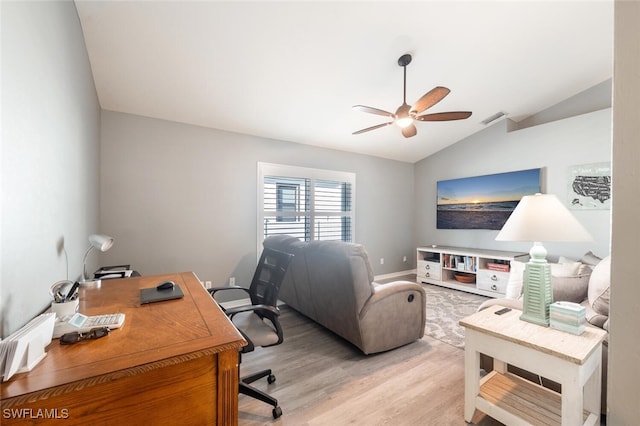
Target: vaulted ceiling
{"points": [[293, 70]]}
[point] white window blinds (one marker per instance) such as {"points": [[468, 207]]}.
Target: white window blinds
{"points": [[309, 204]]}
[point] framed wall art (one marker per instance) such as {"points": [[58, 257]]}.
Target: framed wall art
{"points": [[483, 202], [589, 186]]}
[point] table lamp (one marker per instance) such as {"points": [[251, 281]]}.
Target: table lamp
{"points": [[537, 218], [100, 242]]}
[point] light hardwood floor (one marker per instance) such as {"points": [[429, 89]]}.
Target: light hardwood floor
{"points": [[323, 380]]}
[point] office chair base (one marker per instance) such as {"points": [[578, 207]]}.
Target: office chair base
{"points": [[246, 389]]}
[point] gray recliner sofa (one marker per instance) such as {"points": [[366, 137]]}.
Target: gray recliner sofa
{"points": [[331, 282]]}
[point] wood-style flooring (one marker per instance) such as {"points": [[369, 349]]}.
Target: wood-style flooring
{"points": [[324, 380]]}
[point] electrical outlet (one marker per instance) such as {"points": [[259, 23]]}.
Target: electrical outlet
{"points": [[207, 284], [404, 259], [232, 281], [382, 260]]}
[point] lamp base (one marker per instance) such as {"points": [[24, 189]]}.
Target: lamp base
{"points": [[538, 294], [528, 317], [91, 282]]}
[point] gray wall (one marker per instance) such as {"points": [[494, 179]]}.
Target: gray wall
{"points": [[178, 197], [50, 155], [553, 146], [624, 355]]}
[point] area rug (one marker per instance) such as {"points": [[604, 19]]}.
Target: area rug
{"points": [[445, 307]]}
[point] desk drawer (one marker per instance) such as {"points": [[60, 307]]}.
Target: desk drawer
{"points": [[495, 281], [427, 269]]}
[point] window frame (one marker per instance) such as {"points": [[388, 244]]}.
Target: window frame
{"points": [[288, 171]]}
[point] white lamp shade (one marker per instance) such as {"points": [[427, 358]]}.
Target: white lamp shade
{"points": [[101, 242], [542, 217]]}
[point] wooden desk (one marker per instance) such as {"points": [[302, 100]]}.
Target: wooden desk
{"points": [[573, 361], [173, 362]]}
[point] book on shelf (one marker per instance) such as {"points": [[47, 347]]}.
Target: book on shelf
{"points": [[498, 266], [461, 263]]}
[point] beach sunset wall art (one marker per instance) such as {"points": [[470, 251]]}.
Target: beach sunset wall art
{"points": [[483, 202]]}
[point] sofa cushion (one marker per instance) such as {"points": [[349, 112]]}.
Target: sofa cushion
{"points": [[599, 284], [592, 316], [569, 281], [564, 269], [515, 282], [570, 289]]}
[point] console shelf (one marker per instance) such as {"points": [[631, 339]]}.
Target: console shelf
{"points": [[478, 271]]}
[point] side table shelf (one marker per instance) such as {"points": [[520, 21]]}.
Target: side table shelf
{"points": [[484, 272], [525, 400]]}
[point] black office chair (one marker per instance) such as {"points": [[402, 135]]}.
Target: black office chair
{"points": [[258, 322]]}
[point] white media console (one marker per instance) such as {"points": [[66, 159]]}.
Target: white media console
{"points": [[478, 271]]}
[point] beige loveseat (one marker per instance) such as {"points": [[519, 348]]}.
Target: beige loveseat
{"points": [[331, 282]]}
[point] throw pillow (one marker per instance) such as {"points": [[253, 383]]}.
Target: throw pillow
{"points": [[564, 269], [570, 289], [569, 280], [590, 259], [516, 279], [599, 284], [587, 262], [563, 259]]}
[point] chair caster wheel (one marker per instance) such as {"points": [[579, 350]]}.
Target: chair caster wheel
{"points": [[277, 412], [271, 379]]}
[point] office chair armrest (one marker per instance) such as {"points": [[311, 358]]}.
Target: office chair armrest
{"points": [[260, 309], [265, 312], [213, 290]]}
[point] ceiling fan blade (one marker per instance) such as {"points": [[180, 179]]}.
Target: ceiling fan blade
{"points": [[409, 131], [444, 116], [371, 110], [372, 128], [429, 99]]}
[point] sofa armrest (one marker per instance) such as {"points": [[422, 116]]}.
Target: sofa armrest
{"points": [[393, 316], [384, 290]]}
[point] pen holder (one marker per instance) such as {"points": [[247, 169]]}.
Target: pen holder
{"points": [[65, 309]]}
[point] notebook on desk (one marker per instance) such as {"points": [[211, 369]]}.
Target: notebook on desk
{"points": [[150, 295]]}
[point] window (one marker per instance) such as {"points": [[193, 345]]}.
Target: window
{"points": [[287, 200], [309, 204]]}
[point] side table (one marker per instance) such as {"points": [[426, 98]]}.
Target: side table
{"points": [[573, 361]]}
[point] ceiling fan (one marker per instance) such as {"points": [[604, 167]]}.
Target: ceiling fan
{"points": [[405, 115]]}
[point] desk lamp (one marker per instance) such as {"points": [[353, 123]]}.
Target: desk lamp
{"points": [[100, 242], [536, 218]]}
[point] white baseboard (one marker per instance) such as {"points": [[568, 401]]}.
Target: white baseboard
{"points": [[394, 275]]}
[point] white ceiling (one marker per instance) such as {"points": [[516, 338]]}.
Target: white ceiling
{"points": [[292, 70]]}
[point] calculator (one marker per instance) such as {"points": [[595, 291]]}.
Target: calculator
{"points": [[83, 323]]}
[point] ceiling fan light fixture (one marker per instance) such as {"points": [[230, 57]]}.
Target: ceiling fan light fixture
{"points": [[404, 122], [404, 118]]}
